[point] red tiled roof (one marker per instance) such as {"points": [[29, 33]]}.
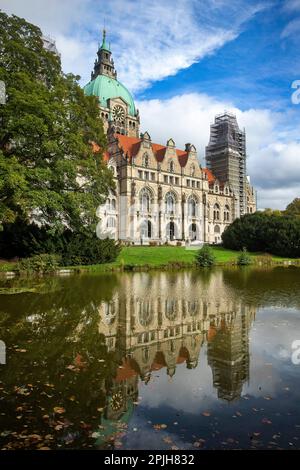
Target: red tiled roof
{"points": [[131, 145], [210, 176], [126, 371]]}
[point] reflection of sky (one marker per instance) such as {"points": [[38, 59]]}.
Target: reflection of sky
{"points": [[268, 406]]}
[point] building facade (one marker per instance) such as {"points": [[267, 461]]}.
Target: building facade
{"points": [[162, 193], [226, 157]]}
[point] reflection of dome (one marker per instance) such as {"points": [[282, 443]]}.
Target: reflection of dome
{"points": [[105, 87]]}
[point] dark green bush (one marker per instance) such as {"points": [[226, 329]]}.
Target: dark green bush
{"points": [[83, 249], [244, 258], [40, 264], [23, 241], [205, 257], [276, 234]]}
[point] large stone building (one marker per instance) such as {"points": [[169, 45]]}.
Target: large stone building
{"points": [[162, 193]]}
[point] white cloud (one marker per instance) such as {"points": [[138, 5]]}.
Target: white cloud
{"points": [[273, 163], [150, 40], [292, 5], [291, 29]]}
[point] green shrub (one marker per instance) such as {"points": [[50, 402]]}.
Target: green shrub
{"points": [[79, 248], [244, 258], [205, 257], [85, 248], [267, 233], [39, 264]]}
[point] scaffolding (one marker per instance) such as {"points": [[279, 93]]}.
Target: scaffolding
{"points": [[226, 156]]}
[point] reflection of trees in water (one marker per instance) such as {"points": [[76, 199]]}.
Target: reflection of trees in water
{"points": [[67, 363], [57, 359], [264, 287]]}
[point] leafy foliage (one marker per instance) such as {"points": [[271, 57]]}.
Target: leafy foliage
{"points": [[83, 249], [294, 207], [49, 171], [74, 248], [244, 259], [205, 257], [279, 235], [40, 264]]}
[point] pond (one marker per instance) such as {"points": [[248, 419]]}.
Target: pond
{"points": [[156, 360]]}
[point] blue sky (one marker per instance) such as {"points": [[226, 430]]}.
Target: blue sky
{"points": [[255, 69], [186, 60]]}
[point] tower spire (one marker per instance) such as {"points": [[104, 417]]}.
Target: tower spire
{"points": [[104, 45], [104, 64]]}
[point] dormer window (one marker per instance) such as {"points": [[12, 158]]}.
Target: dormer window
{"points": [[216, 188], [145, 160], [171, 167]]}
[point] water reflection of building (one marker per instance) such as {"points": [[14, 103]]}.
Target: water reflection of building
{"points": [[159, 320], [228, 353]]}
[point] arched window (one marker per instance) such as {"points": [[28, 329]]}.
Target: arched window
{"points": [[170, 204], [171, 231], [170, 309], [111, 222], [193, 232], [216, 212], [146, 229], [171, 166], [226, 213], [217, 229], [145, 160], [192, 207], [145, 201], [192, 170], [145, 313]]}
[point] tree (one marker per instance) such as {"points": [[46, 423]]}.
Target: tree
{"points": [[49, 171], [205, 257], [294, 207], [276, 234]]}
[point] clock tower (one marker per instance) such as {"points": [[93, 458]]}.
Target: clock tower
{"points": [[117, 108]]}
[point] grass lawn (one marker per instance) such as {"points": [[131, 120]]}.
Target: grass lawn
{"points": [[162, 256]]}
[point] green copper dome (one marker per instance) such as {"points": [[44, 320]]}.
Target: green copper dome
{"points": [[107, 87]]}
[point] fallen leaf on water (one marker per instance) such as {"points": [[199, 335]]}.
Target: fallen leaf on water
{"points": [[167, 440], [59, 410], [206, 413], [197, 444], [266, 421], [159, 426]]}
